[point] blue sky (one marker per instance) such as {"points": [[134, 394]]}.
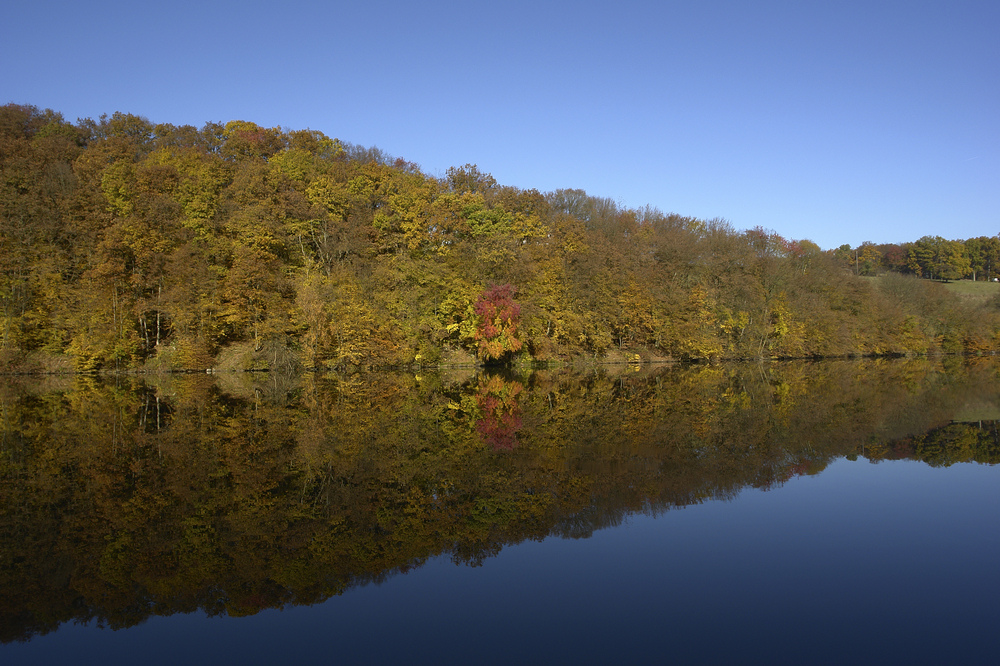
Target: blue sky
{"points": [[837, 122]]}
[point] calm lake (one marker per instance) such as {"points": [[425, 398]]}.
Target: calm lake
{"points": [[828, 512]]}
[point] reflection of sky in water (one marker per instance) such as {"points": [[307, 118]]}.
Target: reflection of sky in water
{"points": [[865, 563]]}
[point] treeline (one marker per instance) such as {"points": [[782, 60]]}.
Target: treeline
{"points": [[931, 257], [121, 499], [128, 245]]}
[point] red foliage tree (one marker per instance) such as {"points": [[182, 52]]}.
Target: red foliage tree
{"points": [[499, 316]]}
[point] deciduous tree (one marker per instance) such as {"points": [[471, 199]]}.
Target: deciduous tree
{"points": [[499, 315]]}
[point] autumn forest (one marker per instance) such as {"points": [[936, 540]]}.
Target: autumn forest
{"points": [[132, 246]]}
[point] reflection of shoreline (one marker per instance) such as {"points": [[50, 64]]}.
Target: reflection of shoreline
{"points": [[240, 504], [951, 444]]}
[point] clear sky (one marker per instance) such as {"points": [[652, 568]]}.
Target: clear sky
{"points": [[839, 122]]}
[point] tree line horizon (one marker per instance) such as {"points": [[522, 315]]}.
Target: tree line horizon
{"points": [[132, 246]]}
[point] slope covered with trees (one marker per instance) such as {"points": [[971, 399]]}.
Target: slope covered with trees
{"points": [[126, 245]]}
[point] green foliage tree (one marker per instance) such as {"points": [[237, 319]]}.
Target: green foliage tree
{"points": [[869, 259], [937, 258], [983, 254]]}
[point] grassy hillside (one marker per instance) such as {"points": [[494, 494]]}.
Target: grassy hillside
{"points": [[974, 293]]}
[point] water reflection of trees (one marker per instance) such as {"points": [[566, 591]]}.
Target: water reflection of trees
{"points": [[121, 500], [498, 400]]}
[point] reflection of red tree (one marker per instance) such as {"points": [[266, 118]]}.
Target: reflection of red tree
{"points": [[500, 412], [786, 472], [904, 449]]}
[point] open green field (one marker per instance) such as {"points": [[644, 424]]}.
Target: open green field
{"points": [[976, 292]]}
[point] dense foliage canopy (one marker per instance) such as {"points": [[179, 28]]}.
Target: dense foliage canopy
{"points": [[126, 245]]}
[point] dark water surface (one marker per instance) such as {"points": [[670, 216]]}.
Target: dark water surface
{"points": [[837, 512]]}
